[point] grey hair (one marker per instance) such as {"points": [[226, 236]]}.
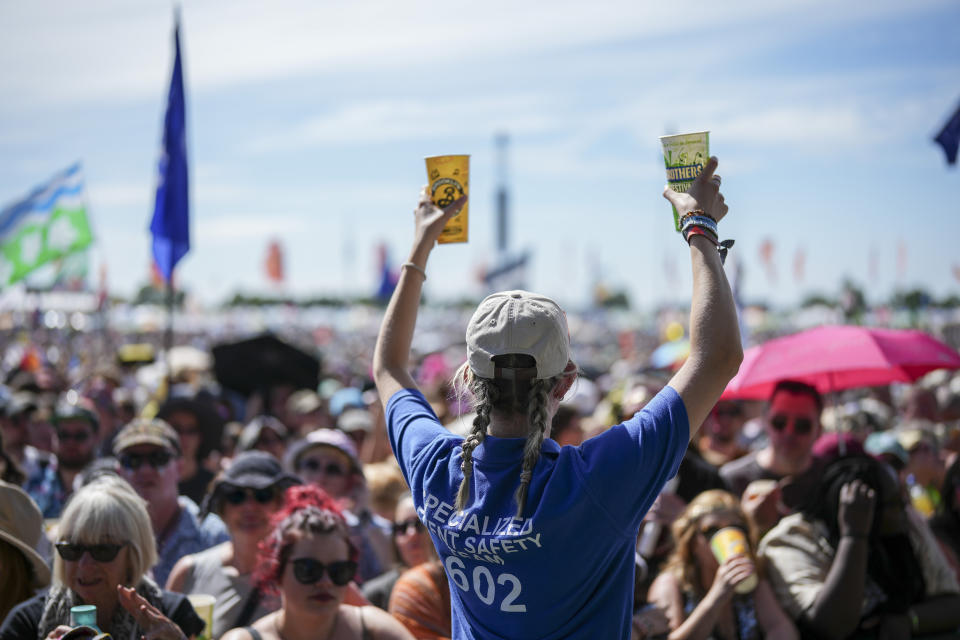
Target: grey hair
{"points": [[489, 394]]}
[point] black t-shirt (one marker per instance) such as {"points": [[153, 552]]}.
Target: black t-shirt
{"points": [[22, 623]]}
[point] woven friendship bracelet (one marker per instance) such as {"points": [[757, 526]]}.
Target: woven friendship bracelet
{"points": [[415, 267], [696, 212], [700, 221], [712, 232]]}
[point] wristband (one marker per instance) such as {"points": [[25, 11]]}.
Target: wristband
{"points": [[702, 221], [415, 267], [693, 230], [855, 536]]}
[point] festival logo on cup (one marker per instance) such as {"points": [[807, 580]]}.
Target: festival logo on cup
{"points": [[684, 156], [449, 180]]}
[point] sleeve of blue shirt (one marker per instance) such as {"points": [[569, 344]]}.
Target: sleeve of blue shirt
{"points": [[415, 433], [626, 466]]}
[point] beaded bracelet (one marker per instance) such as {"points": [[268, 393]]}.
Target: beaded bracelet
{"points": [[696, 212]]}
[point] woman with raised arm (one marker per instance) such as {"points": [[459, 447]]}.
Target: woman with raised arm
{"points": [[538, 540]]}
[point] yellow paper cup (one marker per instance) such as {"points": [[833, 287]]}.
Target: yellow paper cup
{"points": [[203, 605], [731, 542], [449, 178], [684, 156]]}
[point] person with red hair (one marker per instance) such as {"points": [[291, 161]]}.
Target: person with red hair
{"points": [[310, 561]]}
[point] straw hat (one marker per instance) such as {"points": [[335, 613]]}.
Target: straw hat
{"points": [[21, 525]]}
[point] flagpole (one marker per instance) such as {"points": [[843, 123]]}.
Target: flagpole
{"points": [[168, 334]]}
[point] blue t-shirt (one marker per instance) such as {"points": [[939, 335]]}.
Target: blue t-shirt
{"points": [[565, 570]]}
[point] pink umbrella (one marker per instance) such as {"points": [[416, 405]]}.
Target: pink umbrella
{"points": [[832, 358]]}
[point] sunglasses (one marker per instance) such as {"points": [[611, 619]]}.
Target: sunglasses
{"points": [[157, 460], [239, 496], [310, 571], [72, 552], [331, 469], [79, 436], [404, 527], [801, 426]]}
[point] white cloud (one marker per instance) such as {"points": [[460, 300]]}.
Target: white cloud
{"points": [[66, 52]]}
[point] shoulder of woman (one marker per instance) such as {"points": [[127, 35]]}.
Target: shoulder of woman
{"points": [[376, 621], [664, 587], [240, 633], [23, 619], [180, 572]]}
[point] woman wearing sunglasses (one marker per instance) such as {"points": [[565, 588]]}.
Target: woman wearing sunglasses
{"points": [[699, 593], [412, 546], [507, 508], [245, 496], [310, 561], [104, 550]]}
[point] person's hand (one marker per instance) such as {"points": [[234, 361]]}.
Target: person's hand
{"points": [[58, 632], [155, 625], [703, 194], [729, 574], [430, 218], [760, 502], [650, 622], [855, 515]]}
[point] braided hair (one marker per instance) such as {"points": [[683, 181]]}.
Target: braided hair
{"points": [[516, 396]]}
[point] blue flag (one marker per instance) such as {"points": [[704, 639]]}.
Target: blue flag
{"points": [[949, 137], [171, 214]]}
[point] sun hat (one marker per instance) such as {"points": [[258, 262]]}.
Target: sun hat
{"points": [[147, 431], [518, 322], [21, 525], [323, 438]]}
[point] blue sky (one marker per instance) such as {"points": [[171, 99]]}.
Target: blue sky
{"points": [[308, 122]]}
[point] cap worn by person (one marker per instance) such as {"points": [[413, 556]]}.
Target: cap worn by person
{"points": [[518, 322], [252, 432], [303, 402], [344, 399], [324, 438], [885, 444], [21, 525], [353, 420], [147, 431], [79, 409], [249, 470]]}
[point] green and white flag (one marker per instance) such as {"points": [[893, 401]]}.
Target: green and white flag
{"points": [[48, 224]]}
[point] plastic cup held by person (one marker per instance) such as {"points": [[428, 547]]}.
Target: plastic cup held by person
{"points": [[203, 604], [684, 156], [730, 542]]}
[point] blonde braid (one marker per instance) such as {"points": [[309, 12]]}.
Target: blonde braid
{"points": [[485, 394], [537, 415]]}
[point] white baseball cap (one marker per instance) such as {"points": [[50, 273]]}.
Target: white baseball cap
{"points": [[518, 322]]}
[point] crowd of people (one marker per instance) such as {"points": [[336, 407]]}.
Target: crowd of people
{"points": [[510, 497]]}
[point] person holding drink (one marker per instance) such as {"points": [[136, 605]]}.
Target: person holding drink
{"points": [[538, 540], [105, 548], [710, 587]]}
